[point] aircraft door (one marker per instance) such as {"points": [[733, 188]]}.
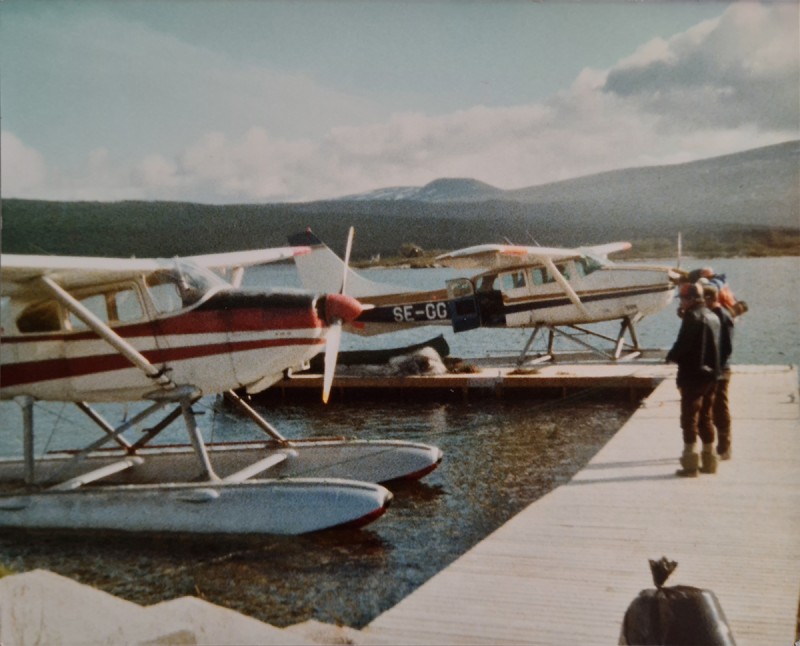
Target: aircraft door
{"points": [[95, 365], [461, 305]]}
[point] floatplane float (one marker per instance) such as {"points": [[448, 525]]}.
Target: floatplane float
{"points": [[560, 290], [164, 333]]}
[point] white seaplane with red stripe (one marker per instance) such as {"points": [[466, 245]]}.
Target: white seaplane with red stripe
{"points": [[557, 289], [166, 332]]}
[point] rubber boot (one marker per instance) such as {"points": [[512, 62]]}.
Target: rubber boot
{"points": [[709, 459], [690, 463], [724, 451]]}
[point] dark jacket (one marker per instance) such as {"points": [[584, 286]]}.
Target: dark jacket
{"points": [[725, 336], [697, 348]]}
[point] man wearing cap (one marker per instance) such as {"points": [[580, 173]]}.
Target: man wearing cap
{"points": [[721, 410], [696, 351]]}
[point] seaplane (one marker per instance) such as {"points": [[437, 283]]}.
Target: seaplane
{"points": [[560, 290], [158, 335]]}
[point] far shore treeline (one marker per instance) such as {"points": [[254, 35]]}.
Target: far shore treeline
{"points": [[403, 232], [745, 204]]}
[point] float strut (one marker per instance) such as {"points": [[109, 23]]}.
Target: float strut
{"points": [[197, 440], [528, 345], [27, 425]]}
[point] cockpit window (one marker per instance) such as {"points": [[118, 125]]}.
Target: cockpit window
{"points": [[539, 276], [164, 292], [118, 305], [124, 305], [40, 317], [487, 283], [586, 265], [513, 280], [96, 304], [179, 286], [563, 269]]}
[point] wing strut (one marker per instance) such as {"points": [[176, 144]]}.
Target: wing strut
{"points": [[555, 273], [26, 403], [184, 395], [248, 410]]}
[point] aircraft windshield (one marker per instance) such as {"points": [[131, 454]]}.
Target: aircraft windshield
{"points": [[593, 263], [181, 284]]}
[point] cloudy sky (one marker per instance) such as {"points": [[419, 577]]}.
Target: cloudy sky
{"points": [[247, 101]]}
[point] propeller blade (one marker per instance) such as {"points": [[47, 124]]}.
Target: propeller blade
{"points": [[347, 251], [332, 342], [341, 308]]}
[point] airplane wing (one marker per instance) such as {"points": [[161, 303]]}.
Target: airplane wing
{"points": [[494, 256], [19, 273], [603, 250], [234, 259], [484, 255], [231, 265]]}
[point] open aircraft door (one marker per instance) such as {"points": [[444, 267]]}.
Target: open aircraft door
{"points": [[462, 305]]}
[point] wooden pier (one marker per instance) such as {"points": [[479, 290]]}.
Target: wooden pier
{"points": [[564, 570], [502, 380]]}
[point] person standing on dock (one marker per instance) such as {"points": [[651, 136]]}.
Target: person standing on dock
{"points": [[696, 351], [721, 409]]}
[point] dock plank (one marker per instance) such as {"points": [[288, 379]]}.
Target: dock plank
{"points": [[564, 570]]}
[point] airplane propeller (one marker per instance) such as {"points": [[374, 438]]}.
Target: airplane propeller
{"points": [[348, 248], [339, 308]]}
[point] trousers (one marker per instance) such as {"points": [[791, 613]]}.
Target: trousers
{"points": [[697, 405], [722, 413]]}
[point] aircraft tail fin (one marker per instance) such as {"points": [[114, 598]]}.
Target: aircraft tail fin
{"points": [[322, 270]]}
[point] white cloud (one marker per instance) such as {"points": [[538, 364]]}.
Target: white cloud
{"points": [[23, 168], [694, 96], [156, 172], [725, 85], [740, 70], [254, 166]]}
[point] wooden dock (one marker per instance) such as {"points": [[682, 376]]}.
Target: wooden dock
{"points": [[502, 380], [564, 570]]}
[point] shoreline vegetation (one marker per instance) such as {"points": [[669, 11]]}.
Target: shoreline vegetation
{"points": [[768, 244]]}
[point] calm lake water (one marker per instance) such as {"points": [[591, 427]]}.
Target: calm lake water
{"points": [[499, 457]]}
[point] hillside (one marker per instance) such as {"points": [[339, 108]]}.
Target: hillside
{"points": [[743, 203], [728, 189]]}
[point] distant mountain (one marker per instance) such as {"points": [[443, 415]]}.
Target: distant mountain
{"points": [[439, 190], [753, 171], [757, 185], [741, 200]]}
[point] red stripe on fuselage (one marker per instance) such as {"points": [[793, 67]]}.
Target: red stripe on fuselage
{"points": [[196, 322], [239, 320], [27, 372]]}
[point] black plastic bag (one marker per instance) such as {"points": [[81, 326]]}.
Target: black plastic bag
{"points": [[678, 616]]}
